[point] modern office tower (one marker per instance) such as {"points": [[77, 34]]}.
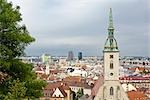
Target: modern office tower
{"points": [[79, 55], [70, 56], [111, 88]]}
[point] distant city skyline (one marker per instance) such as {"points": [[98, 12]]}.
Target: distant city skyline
{"points": [[81, 26]]}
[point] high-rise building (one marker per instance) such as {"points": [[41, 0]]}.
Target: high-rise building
{"points": [[111, 88], [79, 55], [70, 56]]}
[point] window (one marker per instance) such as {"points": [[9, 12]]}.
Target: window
{"points": [[111, 65], [111, 91], [111, 56], [111, 74]]}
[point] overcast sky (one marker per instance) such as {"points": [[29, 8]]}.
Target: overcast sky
{"points": [[81, 25]]}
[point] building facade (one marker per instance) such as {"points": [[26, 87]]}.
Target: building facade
{"points": [[70, 56], [79, 55]]}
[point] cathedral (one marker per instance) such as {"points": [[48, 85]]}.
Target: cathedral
{"points": [[111, 88]]}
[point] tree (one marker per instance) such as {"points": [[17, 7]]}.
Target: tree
{"points": [[17, 80], [80, 93], [74, 95], [17, 90], [34, 88]]}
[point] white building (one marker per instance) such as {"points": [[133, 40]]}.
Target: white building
{"points": [[111, 88], [78, 72]]}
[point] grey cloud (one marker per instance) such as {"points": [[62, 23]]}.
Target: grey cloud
{"points": [[87, 21]]}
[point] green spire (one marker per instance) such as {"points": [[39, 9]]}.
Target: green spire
{"points": [[110, 20], [111, 43]]}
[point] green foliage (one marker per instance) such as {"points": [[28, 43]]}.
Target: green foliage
{"points": [[17, 80], [74, 95], [14, 37], [34, 88], [145, 71], [16, 69], [80, 93], [16, 90]]}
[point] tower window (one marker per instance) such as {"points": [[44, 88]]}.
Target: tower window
{"points": [[111, 74], [111, 66], [111, 56], [111, 91]]}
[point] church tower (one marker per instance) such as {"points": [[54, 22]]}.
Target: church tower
{"points": [[111, 88], [111, 54]]}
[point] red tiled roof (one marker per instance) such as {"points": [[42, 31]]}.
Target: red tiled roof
{"points": [[79, 84], [140, 68], [52, 78], [65, 86], [62, 91], [72, 79], [53, 71], [52, 85], [136, 95], [44, 76], [134, 78], [39, 69], [97, 85], [55, 85]]}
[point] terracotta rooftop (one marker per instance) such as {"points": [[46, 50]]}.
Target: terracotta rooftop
{"points": [[134, 78], [65, 86], [62, 91], [136, 95], [44, 76], [55, 85], [52, 85], [39, 70], [139, 68], [97, 85], [79, 84], [53, 71], [72, 79]]}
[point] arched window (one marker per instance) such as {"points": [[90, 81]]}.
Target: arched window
{"points": [[111, 91], [111, 65]]}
